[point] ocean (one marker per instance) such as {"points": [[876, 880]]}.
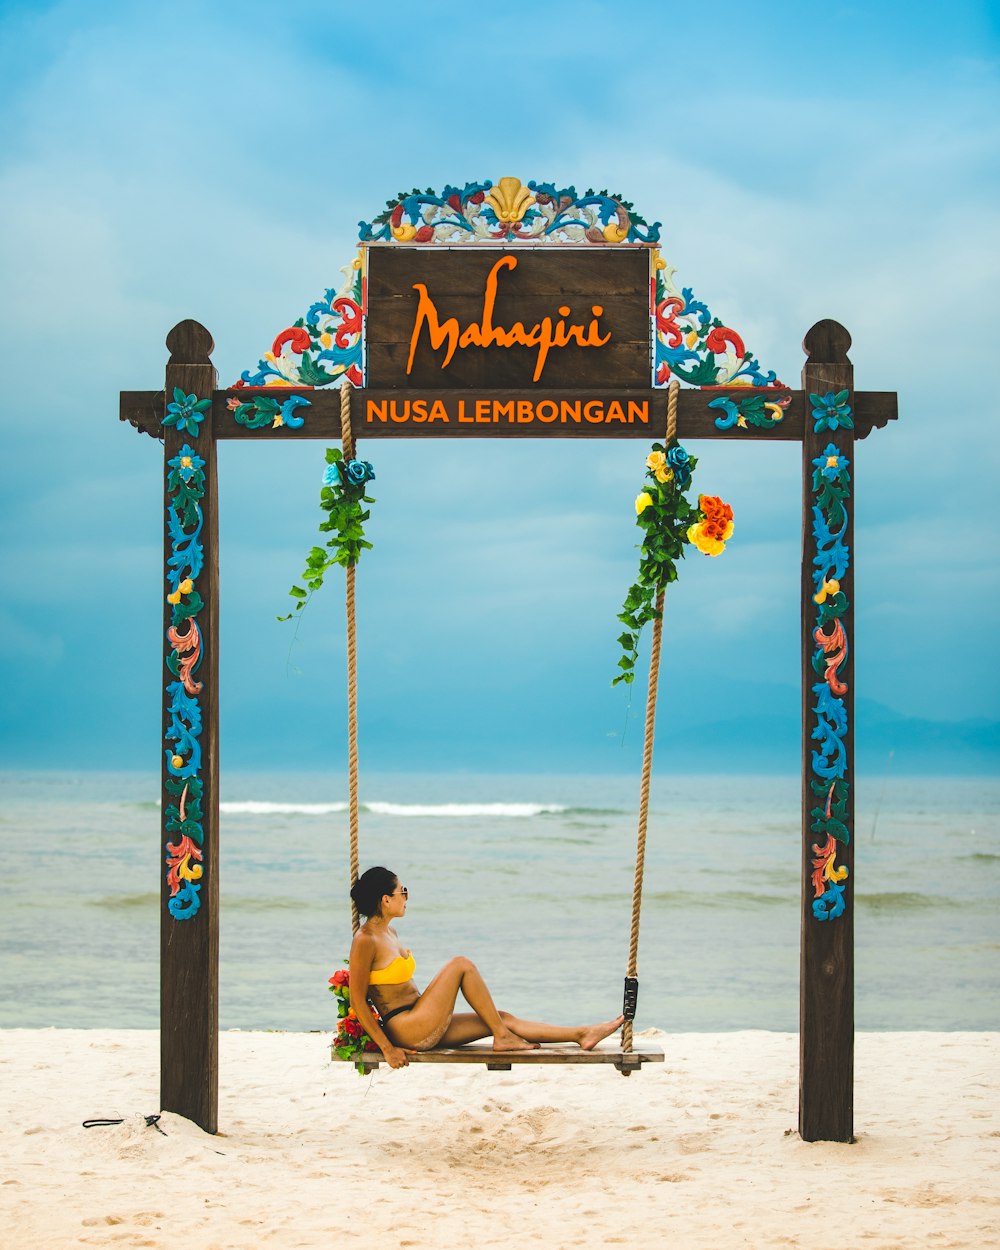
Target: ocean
{"points": [[528, 875]]}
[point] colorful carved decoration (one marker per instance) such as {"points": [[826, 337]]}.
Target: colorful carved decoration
{"points": [[831, 484], [509, 212], [753, 410], [185, 490], [318, 349], [831, 412], [695, 347], [262, 410], [186, 412]]}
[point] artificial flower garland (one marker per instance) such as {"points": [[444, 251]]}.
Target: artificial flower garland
{"points": [[342, 498], [669, 521], [350, 1041]]}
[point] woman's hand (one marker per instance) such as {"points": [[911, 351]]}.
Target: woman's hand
{"points": [[395, 1057]]}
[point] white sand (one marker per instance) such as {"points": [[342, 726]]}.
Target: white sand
{"points": [[699, 1153]]}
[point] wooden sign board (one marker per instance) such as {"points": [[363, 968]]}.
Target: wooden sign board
{"points": [[441, 319]]}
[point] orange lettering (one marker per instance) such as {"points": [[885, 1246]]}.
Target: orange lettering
{"points": [[570, 411], [544, 336], [427, 311], [378, 412]]}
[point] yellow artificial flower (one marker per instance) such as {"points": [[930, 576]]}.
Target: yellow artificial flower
{"points": [[642, 502], [657, 462], [178, 761], [708, 546], [186, 586]]}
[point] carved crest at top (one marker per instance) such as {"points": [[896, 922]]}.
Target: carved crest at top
{"points": [[509, 199], [507, 211]]}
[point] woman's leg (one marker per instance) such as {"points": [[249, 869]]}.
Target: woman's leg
{"points": [[470, 1028], [426, 1023], [586, 1035]]}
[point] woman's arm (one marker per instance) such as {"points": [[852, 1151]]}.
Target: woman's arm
{"points": [[363, 952]]}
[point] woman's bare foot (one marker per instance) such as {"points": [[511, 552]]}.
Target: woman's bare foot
{"points": [[511, 1041], [598, 1032]]}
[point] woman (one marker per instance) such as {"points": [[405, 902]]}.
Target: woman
{"points": [[382, 971]]}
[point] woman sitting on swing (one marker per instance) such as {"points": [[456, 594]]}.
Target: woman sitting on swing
{"points": [[381, 970]]}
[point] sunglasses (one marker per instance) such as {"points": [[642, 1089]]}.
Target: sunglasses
{"points": [[402, 890]]}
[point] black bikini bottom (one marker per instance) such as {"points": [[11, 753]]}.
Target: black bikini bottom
{"points": [[387, 1015]]}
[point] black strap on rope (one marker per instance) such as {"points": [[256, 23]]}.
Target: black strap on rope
{"points": [[152, 1121], [631, 997]]}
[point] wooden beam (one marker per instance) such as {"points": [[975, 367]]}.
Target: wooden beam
{"points": [[826, 984], [189, 909], [321, 419]]}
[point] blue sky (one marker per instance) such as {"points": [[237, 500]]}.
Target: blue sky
{"points": [[212, 161]]}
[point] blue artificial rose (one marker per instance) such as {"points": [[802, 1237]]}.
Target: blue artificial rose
{"points": [[359, 471], [680, 462], [332, 475]]}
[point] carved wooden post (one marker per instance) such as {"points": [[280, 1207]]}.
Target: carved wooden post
{"points": [[189, 918], [826, 996]]}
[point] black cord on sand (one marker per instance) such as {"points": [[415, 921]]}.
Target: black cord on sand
{"points": [[152, 1121]]}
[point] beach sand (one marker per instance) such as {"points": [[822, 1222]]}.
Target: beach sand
{"points": [[699, 1152]]}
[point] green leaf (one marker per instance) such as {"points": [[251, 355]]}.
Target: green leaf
{"points": [[298, 593], [310, 373]]}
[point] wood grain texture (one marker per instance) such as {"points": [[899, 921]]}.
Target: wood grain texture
{"points": [[189, 949], [546, 1055], [826, 977], [539, 284]]}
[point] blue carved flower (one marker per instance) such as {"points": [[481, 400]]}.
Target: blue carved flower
{"points": [[186, 412], [831, 412], [332, 475], [359, 471], [680, 462], [187, 462], [831, 463]]}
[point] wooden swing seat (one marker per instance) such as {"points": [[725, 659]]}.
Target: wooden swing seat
{"points": [[625, 1061]]}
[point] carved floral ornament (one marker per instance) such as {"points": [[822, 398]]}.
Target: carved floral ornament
{"points": [[689, 343]]}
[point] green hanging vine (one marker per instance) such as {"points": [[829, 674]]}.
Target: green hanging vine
{"points": [[342, 498], [670, 521]]}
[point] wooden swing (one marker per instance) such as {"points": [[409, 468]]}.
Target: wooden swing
{"points": [[627, 1057]]}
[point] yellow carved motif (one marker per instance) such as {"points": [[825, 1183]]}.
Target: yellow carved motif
{"points": [[509, 199]]}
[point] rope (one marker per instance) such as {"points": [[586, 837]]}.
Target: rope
{"points": [[347, 438], [647, 754]]}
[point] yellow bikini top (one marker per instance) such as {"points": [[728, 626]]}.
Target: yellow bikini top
{"points": [[397, 973]]}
